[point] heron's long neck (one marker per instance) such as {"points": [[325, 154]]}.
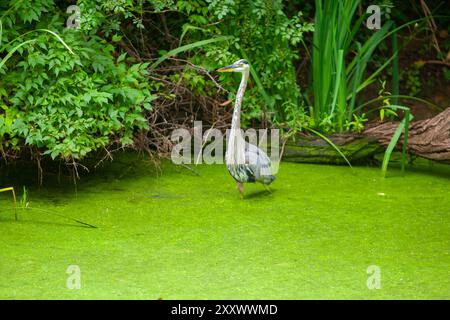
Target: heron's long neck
{"points": [[236, 145], [236, 121]]}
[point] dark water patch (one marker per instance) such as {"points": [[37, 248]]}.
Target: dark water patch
{"points": [[54, 200], [56, 174]]}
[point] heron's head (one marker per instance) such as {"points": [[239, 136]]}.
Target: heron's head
{"points": [[239, 66]]}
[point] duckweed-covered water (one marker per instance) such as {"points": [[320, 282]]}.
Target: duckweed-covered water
{"points": [[176, 235]]}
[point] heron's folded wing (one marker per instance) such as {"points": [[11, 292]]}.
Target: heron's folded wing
{"points": [[258, 161]]}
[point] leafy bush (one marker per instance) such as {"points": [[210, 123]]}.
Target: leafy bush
{"points": [[262, 33], [268, 39], [62, 104]]}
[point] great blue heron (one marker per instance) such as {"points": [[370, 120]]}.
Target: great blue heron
{"points": [[245, 162]]}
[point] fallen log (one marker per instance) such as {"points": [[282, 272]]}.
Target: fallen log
{"points": [[313, 149], [429, 139]]}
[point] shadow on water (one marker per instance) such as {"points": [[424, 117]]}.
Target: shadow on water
{"points": [[58, 181], [435, 170], [128, 176], [40, 222], [422, 167], [35, 211], [260, 194], [129, 169], [159, 195]]}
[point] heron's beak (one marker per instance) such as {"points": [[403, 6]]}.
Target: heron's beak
{"points": [[229, 68]]}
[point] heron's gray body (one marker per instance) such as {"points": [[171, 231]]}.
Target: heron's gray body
{"points": [[245, 162], [257, 167]]}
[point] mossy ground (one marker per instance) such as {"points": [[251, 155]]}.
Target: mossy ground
{"points": [[182, 236]]}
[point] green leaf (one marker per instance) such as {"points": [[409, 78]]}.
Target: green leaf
{"points": [[121, 57], [116, 38]]}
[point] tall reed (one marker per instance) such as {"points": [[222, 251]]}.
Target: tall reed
{"points": [[339, 61]]}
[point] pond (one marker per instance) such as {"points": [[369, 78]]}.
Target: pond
{"points": [[172, 234]]}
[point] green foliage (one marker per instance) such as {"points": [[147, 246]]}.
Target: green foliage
{"points": [[68, 96], [268, 39], [62, 104], [339, 63], [357, 124], [257, 30], [446, 72], [385, 110], [260, 32], [412, 80]]}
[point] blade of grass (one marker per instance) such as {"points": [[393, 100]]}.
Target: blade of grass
{"points": [[42, 210], [400, 97], [41, 30], [391, 146], [405, 138], [340, 62], [394, 30], [395, 74], [188, 47], [10, 53], [186, 28], [258, 82], [57, 37], [356, 80], [403, 126], [369, 46], [331, 144], [61, 216]]}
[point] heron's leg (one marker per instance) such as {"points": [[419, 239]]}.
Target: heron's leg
{"points": [[240, 187], [267, 188]]}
